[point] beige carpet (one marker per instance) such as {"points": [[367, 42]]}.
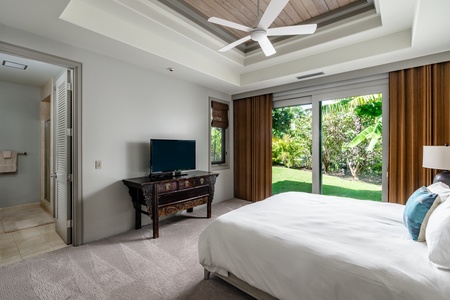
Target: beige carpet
{"points": [[23, 217], [127, 266]]}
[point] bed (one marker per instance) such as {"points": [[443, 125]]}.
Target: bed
{"points": [[306, 246]]}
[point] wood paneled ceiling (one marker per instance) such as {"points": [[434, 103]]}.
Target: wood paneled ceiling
{"points": [[321, 12]]}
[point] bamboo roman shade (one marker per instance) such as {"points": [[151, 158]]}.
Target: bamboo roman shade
{"points": [[253, 148], [419, 109], [219, 113]]}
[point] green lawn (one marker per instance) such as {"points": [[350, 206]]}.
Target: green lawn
{"points": [[284, 180]]}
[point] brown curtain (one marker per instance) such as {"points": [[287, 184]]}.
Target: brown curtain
{"points": [[253, 148], [419, 109]]}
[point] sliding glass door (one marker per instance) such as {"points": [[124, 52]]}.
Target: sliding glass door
{"points": [[351, 152], [332, 140]]}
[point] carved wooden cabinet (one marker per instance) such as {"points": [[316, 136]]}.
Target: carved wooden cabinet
{"points": [[160, 197]]}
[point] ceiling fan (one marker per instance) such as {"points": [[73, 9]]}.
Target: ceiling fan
{"points": [[260, 32]]}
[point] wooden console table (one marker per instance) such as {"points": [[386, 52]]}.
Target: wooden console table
{"points": [[169, 195]]}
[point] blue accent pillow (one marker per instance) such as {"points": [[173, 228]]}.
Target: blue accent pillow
{"points": [[417, 207]]}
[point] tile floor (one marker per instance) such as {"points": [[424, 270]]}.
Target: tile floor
{"points": [[21, 244]]}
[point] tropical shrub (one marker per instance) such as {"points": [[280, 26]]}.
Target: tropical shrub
{"points": [[351, 136]]}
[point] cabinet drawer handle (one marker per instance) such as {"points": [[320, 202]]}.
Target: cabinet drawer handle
{"points": [[202, 180], [187, 183], [167, 186]]}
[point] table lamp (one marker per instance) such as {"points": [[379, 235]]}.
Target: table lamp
{"points": [[438, 157]]}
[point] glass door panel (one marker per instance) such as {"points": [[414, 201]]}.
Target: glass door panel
{"points": [[351, 152], [292, 149]]}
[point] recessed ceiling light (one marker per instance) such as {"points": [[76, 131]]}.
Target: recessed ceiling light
{"points": [[170, 69], [14, 65]]}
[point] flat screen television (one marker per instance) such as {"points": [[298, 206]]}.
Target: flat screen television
{"points": [[171, 157]]}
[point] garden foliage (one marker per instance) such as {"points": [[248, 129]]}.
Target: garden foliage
{"points": [[351, 136]]}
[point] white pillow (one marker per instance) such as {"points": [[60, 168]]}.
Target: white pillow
{"points": [[438, 236], [423, 227], [441, 189]]}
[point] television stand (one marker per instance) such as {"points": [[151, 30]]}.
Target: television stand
{"points": [[167, 195]]}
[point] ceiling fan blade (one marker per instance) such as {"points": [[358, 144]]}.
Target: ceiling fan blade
{"points": [[273, 10], [266, 46], [230, 24], [234, 44], [292, 30]]}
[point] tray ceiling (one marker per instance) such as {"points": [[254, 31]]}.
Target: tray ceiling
{"points": [[353, 37], [321, 12]]}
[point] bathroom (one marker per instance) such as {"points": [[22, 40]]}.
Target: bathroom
{"points": [[26, 203]]}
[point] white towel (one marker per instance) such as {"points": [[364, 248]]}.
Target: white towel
{"points": [[8, 165], [6, 154]]}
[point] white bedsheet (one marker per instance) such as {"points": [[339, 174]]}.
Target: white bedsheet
{"points": [[305, 246]]}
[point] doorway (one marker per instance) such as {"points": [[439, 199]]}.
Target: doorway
{"points": [[74, 222]]}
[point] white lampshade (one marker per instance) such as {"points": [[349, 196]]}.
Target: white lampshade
{"points": [[436, 157]]}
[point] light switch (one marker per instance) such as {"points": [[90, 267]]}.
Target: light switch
{"points": [[98, 164]]}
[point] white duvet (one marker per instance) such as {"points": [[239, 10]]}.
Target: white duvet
{"points": [[306, 246]]}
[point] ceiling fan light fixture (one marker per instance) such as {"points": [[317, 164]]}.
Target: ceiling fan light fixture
{"points": [[261, 31], [258, 35]]}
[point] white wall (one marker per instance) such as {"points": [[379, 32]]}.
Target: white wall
{"points": [[123, 106], [20, 131]]}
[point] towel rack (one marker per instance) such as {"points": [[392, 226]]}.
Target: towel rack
{"points": [[22, 153]]}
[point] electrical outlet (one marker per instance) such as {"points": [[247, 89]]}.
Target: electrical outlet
{"points": [[98, 164]]}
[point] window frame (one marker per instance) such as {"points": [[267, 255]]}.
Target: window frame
{"points": [[225, 164], [224, 146]]}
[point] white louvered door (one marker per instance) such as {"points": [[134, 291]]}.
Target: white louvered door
{"points": [[63, 162]]}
